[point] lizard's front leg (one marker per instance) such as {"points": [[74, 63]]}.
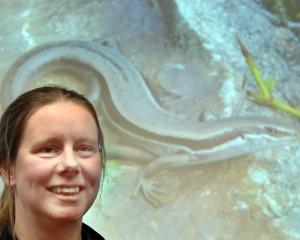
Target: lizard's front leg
{"points": [[150, 188]]}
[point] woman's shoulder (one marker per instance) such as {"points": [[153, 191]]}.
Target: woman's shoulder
{"points": [[88, 233]]}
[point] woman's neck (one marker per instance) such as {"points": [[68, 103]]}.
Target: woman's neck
{"points": [[48, 230]]}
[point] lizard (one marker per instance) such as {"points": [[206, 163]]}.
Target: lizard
{"points": [[146, 132]]}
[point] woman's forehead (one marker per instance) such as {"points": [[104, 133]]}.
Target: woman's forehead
{"points": [[64, 106], [61, 115]]}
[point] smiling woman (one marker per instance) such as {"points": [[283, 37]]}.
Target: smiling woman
{"points": [[51, 159]]}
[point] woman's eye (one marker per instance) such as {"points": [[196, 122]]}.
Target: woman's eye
{"points": [[85, 150], [48, 151]]}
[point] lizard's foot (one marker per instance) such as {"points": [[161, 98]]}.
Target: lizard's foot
{"points": [[150, 190]]}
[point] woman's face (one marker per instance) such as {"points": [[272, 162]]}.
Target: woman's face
{"points": [[57, 169]]}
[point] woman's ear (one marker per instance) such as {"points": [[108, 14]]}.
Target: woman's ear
{"points": [[8, 177]]}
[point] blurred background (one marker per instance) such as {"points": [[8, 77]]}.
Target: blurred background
{"points": [[156, 71]]}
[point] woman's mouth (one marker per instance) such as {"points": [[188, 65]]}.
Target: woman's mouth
{"points": [[65, 190]]}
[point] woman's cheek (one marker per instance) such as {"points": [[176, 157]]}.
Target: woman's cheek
{"points": [[93, 172], [34, 168]]}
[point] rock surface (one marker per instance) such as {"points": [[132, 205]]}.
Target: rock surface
{"points": [[187, 53]]}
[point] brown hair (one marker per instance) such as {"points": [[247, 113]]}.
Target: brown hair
{"points": [[12, 126]]}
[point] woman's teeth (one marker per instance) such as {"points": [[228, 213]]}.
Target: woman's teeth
{"points": [[65, 190]]}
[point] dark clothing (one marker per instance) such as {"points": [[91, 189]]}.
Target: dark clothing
{"points": [[87, 233]]}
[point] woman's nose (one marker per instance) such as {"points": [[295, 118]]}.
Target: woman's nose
{"points": [[68, 164]]}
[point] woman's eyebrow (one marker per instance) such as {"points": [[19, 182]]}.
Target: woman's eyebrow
{"points": [[45, 140], [55, 138], [91, 140]]}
